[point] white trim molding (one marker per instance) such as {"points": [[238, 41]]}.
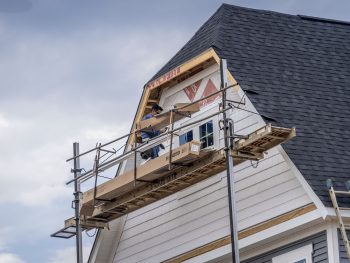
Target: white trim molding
{"points": [[269, 239], [302, 254], [332, 242], [313, 196]]}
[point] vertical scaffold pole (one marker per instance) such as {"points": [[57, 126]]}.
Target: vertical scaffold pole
{"points": [[76, 170], [229, 167], [171, 139]]}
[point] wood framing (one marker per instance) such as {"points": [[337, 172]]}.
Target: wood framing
{"points": [[172, 77], [180, 178], [183, 68], [71, 222], [150, 171], [161, 120], [242, 234]]}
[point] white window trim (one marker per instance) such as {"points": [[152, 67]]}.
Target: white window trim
{"points": [[295, 255], [207, 135]]}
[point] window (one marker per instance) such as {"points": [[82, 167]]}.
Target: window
{"points": [[206, 135], [300, 255], [186, 137]]}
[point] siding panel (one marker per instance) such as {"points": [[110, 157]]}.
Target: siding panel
{"points": [[175, 224]]}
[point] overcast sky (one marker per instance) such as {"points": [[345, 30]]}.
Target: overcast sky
{"points": [[73, 70]]}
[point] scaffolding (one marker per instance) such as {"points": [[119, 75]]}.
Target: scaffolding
{"points": [[171, 172], [343, 227]]}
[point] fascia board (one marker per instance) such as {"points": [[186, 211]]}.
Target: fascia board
{"points": [[320, 206]]}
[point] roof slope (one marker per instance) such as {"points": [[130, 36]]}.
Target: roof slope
{"points": [[300, 68]]}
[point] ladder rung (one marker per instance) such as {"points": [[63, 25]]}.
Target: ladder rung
{"points": [[342, 192], [347, 226], [344, 208]]}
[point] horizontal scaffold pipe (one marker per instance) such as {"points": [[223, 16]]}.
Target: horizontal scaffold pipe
{"points": [[139, 130]]}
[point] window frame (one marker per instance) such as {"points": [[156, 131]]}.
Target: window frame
{"points": [[207, 135], [302, 253]]}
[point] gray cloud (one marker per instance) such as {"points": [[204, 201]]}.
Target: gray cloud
{"points": [[74, 70]]}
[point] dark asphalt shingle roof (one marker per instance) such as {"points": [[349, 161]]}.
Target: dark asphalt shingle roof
{"points": [[300, 68]]}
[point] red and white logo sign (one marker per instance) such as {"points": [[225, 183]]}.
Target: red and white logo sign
{"points": [[191, 90], [210, 88]]}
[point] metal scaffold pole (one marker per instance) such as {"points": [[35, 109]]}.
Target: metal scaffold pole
{"points": [[76, 170], [228, 135]]}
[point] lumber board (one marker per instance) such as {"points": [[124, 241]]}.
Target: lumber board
{"points": [[210, 164], [264, 139], [162, 120], [140, 111], [150, 171], [70, 222], [169, 77], [180, 70]]}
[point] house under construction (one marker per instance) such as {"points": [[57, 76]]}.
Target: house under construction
{"points": [[256, 161]]}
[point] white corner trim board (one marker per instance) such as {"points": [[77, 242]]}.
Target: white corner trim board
{"points": [[320, 206], [332, 242]]}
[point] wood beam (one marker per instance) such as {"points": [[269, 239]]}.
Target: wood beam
{"points": [[183, 68], [166, 79]]}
